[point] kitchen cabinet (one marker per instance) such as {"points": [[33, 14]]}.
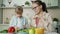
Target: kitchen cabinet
{"points": [[59, 3], [1, 15], [59, 29], [46, 1], [54, 2], [15, 2], [1, 11], [1, 2], [51, 3]]}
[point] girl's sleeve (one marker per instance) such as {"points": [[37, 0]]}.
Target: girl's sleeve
{"points": [[27, 24]]}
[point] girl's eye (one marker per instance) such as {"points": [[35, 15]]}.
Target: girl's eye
{"points": [[35, 7]]}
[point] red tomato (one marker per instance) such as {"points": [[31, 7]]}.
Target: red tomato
{"points": [[11, 29]]}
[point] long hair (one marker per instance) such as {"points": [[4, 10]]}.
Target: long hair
{"points": [[41, 3], [44, 7]]}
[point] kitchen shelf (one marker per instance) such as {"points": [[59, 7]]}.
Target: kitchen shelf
{"points": [[7, 7], [12, 7], [53, 7], [3, 24]]}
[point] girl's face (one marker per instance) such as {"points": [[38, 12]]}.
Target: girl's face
{"points": [[36, 8], [18, 12]]}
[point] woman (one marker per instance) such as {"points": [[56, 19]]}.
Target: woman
{"points": [[41, 18], [18, 21]]}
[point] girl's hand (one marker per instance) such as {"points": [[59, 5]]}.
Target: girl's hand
{"points": [[16, 28], [24, 26]]}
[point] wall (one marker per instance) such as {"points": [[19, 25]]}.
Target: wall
{"points": [[55, 13], [29, 12], [9, 12]]}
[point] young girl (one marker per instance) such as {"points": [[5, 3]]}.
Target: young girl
{"points": [[18, 20]]}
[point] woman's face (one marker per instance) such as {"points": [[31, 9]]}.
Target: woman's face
{"points": [[36, 8], [18, 13]]}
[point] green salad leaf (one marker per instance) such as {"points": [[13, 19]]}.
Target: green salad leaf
{"points": [[22, 30], [3, 31]]}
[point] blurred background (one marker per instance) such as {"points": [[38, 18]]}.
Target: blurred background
{"points": [[7, 10]]}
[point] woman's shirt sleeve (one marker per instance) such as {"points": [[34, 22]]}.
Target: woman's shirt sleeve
{"points": [[50, 23]]}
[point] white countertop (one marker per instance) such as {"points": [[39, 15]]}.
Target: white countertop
{"points": [[44, 33]]}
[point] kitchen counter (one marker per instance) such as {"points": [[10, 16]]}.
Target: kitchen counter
{"points": [[44, 33]]}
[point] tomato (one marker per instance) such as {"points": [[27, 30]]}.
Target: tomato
{"points": [[11, 29]]}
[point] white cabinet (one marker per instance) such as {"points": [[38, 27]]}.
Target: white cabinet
{"points": [[51, 3], [54, 2], [1, 12], [15, 2], [1, 15], [1, 1], [59, 3], [47, 2]]}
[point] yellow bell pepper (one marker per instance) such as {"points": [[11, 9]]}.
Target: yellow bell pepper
{"points": [[39, 31]]}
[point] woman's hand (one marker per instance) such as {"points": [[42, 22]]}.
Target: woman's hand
{"points": [[30, 26]]}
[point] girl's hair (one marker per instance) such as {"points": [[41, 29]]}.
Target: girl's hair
{"points": [[41, 3], [20, 8]]}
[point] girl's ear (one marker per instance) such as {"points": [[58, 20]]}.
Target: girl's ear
{"points": [[40, 6]]}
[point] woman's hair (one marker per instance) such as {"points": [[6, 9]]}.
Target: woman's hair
{"points": [[41, 3], [20, 8], [44, 7]]}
